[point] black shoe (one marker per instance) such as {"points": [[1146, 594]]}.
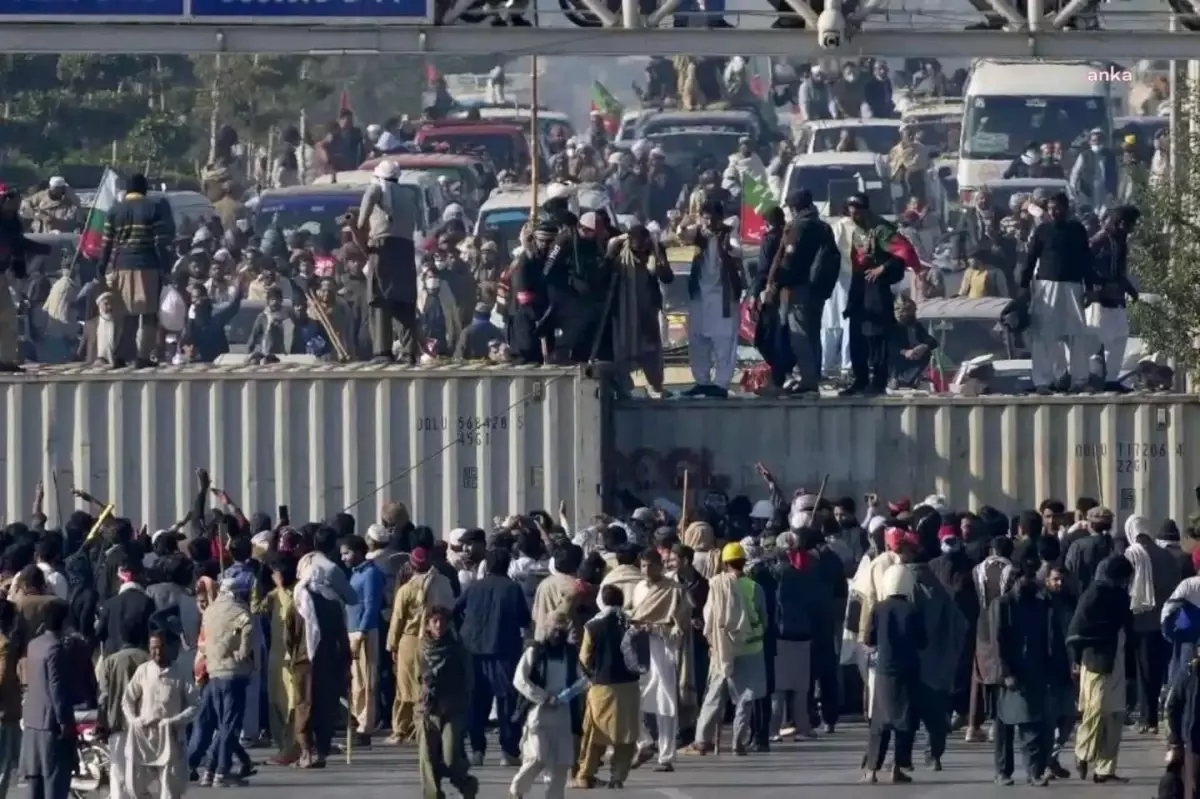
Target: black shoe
{"points": [[1081, 768], [664, 768], [695, 391], [1002, 780], [362, 741], [852, 391], [1057, 771], [1037, 782], [1043, 391], [900, 778], [716, 392], [1100, 779]]}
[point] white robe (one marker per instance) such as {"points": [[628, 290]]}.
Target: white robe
{"points": [[660, 684], [546, 741], [158, 703], [1109, 330], [1059, 340], [712, 337]]}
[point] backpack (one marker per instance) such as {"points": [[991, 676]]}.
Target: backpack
{"points": [[635, 649]]}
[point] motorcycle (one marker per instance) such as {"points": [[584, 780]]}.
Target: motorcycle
{"points": [[90, 778]]}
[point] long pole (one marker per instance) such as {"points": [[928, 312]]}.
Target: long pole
{"points": [[535, 138]]}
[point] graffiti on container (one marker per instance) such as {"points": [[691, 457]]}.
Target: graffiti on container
{"points": [[1130, 457], [471, 431], [649, 469]]}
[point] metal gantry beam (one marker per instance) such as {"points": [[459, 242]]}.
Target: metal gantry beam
{"points": [[473, 40]]}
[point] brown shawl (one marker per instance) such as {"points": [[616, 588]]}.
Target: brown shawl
{"points": [[665, 611]]}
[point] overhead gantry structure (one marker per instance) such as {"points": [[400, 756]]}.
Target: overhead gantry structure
{"points": [[1072, 29]]}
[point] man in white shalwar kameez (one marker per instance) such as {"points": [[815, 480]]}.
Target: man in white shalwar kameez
{"points": [[1056, 272], [158, 704], [661, 608], [835, 328], [548, 678], [715, 286]]}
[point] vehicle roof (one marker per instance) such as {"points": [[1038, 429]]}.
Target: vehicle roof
{"points": [[874, 122], [454, 126], [985, 309], [1020, 183], [362, 177], [730, 115], [522, 196], [1035, 79], [945, 108], [1142, 120], [503, 111], [830, 158], [420, 161]]}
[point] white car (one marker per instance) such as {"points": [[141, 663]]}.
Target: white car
{"points": [[870, 135], [832, 177], [940, 124], [507, 210]]}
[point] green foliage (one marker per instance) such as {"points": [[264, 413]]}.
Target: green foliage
{"points": [[156, 112], [1164, 257]]}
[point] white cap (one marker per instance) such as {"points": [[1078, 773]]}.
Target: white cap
{"points": [[373, 130], [615, 157], [453, 211], [555, 190], [588, 221], [640, 147], [386, 170], [202, 235], [379, 534], [160, 533], [262, 539], [454, 537], [58, 182]]}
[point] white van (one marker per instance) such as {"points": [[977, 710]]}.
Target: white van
{"points": [[1007, 104]]}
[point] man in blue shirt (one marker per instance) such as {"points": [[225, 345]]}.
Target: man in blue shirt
{"points": [[363, 622]]}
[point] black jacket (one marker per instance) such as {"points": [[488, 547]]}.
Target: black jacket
{"points": [[125, 620], [810, 256], [493, 614], [1110, 270], [16, 248], [1060, 252]]}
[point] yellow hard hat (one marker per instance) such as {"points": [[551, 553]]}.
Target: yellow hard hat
{"points": [[732, 552]]}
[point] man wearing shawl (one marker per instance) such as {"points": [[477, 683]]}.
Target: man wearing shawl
{"points": [[661, 608], [1032, 663], [317, 634], [611, 713], [445, 674], [707, 558], [549, 683], [625, 575], [895, 633], [558, 589], [993, 579], [229, 660], [1096, 640], [157, 704], [1155, 575], [734, 624], [427, 589]]}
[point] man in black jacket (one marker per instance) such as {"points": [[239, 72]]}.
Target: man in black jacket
{"points": [[1058, 251], [493, 613], [800, 280], [15, 249], [1106, 316]]}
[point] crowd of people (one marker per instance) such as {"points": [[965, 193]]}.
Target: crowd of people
{"points": [[624, 641]]}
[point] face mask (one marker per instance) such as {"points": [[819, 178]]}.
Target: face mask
{"points": [[850, 77], [1096, 148], [432, 284], [1031, 154]]}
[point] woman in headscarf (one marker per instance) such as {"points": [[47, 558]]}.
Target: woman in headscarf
{"points": [[703, 541], [1096, 640], [896, 633]]}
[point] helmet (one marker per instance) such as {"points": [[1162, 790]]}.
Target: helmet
{"points": [[732, 552]]}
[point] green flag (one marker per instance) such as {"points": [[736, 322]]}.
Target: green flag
{"points": [[604, 102], [757, 199]]}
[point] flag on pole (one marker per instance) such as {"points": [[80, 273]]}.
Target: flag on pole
{"points": [[344, 102], [938, 367], [608, 106], [757, 199], [91, 242]]}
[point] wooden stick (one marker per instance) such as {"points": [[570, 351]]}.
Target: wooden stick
{"points": [[1099, 474], [104, 514], [821, 490], [57, 498], [683, 511]]}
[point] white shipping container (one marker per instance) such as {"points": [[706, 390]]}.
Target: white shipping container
{"points": [[459, 445], [1132, 453]]}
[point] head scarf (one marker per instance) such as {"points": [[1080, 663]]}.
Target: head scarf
{"points": [[699, 536], [1137, 525], [752, 549]]}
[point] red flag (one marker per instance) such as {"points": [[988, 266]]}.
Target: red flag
{"points": [[902, 248], [344, 102]]}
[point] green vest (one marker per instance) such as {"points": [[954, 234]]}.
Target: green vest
{"points": [[753, 644]]}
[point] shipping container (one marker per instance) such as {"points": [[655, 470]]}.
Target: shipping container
{"points": [[458, 444], [1132, 453]]}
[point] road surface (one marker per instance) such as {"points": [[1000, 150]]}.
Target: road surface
{"points": [[826, 768]]}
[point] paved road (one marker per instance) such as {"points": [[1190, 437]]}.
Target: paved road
{"points": [[826, 769]]}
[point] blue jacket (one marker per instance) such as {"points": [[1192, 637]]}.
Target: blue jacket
{"points": [[367, 581], [493, 612]]}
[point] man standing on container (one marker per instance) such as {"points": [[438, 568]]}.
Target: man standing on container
{"points": [[389, 220], [715, 287], [1106, 315], [137, 236], [1059, 252]]}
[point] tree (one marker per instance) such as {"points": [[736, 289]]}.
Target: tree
{"points": [[1164, 256]]}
